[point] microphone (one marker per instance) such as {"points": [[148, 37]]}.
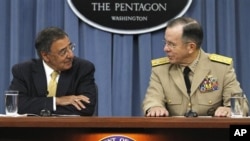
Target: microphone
{"points": [[45, 112], [190, 113]]}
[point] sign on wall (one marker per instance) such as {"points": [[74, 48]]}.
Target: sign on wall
{"points": [[129, 16]]}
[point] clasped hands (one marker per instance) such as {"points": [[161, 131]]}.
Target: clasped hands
{"points": [[76, 100], [162, 112]]}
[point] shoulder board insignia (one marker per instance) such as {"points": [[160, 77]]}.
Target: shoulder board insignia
{"points": [[160, 61], [220, 58]]}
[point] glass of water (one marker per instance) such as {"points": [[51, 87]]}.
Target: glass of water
{"points": [[237, 102], [11, 102]]}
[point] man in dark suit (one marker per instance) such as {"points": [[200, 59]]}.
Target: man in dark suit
{"points": [[75, 90]]}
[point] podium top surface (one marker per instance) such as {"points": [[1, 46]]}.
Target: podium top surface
{"points": [[122, 122]]}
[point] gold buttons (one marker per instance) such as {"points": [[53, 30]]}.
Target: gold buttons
{"points": [[210, 102], [169, 101]]}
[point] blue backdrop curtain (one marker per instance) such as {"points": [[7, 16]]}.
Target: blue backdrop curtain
{"points": [[122, 61]]}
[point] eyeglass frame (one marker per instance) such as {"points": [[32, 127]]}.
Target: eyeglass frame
{"points": [[63, 52], [171, 44]]}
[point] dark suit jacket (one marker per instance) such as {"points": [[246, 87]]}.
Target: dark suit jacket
{"points": [[30, 80]]}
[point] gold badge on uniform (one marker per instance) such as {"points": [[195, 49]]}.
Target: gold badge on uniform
{"points": [[209, 84]]}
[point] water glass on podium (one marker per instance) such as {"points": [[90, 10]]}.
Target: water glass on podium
{"points": [[237, 102], [11, 101]]}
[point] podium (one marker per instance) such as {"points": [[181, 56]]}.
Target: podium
{"points": [[117, 128]]}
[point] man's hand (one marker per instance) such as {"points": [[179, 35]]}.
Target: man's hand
{"points": [[75, 100], [157, 112], [223, 112]]}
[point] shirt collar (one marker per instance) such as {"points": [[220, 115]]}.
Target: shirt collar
{"points": [[193, 65], [48, 69]]}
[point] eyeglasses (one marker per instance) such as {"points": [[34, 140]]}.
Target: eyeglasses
{"points": [[65, 50], [169, 44]]}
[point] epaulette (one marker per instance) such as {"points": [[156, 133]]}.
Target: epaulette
{"points": [[221, 59], [159, 61]]}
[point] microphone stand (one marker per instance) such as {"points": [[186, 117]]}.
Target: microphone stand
{"points": [[190, 113], [45, 112]]}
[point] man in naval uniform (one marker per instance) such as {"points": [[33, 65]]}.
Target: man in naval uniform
{"points": [[211, 77]]}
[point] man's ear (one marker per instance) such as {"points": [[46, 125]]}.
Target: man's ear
{"points": [[44, 56], [192, 47]]}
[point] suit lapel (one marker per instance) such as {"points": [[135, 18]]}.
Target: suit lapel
{"points": [[63, 83], [199, 76], [39, 78], [201, 71], [178, 79]]}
